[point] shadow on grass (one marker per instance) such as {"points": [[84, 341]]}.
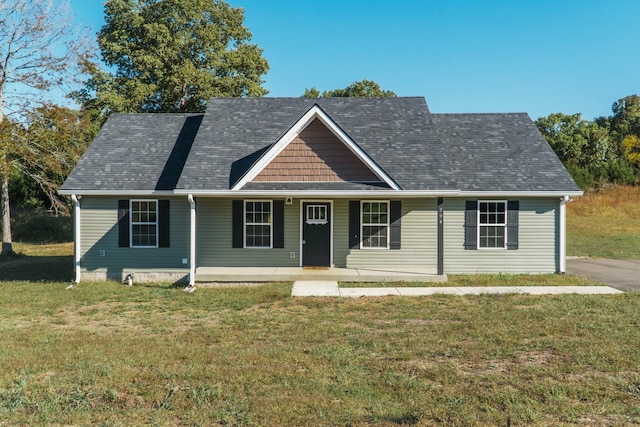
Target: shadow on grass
{"points": [[56, 268]]}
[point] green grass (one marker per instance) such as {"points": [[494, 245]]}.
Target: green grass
{"points": [[39, 226], [111, 355], [485, 280], [605, 224], [39, 262]]}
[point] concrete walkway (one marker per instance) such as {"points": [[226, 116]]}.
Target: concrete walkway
{"points": [[313, 288]]}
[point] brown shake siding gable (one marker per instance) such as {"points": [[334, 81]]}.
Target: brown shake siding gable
{"points": [[316, 155]]}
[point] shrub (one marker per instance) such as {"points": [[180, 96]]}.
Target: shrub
{"points": [[39, 226]]}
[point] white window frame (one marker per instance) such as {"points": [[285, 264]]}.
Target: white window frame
{"points": [[245, 224], [480, 225], [362, 225], [132, 223], [311, 219]]}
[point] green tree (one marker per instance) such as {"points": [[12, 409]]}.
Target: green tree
{"points": [[172, 56], [585, 148], [580, 142], [55, 140], [39, 52], [364, 88], [626, 117]]}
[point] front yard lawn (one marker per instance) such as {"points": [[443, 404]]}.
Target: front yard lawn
{"points": [[107, 354]]}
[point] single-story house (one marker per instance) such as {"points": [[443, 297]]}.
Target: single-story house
{"points": [[338, 183]]}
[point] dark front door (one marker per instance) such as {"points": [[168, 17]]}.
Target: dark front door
{"points": [[316, 234]]}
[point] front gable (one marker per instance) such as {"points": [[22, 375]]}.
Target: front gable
{"points": [[315, 149], [316, 155]]}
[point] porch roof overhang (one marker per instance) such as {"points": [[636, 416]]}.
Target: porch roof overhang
{"points": [[322, 193]]}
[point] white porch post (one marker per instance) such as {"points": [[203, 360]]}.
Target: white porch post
{"points": [[76, 235], [192, 242], [562, 238]]}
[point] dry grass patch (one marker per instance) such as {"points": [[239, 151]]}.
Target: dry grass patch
{"points": [[605, 223]]}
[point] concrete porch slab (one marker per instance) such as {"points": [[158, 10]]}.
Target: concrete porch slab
{"points": [[292, 274]]}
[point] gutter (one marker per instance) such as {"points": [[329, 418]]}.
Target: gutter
{"points": [[76, 235], [520, 193], [321, 193], [117, 192]]}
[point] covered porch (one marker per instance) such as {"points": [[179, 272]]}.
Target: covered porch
{"points": [[290, 274]]}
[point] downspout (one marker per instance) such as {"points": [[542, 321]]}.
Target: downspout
{"points": [[76, 235], [562, 239], [192, 242]]}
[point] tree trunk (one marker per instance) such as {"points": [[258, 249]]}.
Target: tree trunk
{"points": [[7, 246]]}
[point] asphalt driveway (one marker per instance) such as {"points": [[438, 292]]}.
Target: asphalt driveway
{"points": [[622, 274]]}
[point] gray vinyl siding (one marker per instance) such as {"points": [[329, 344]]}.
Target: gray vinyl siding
{"points": [[340, 232], [537, 249], [99, 231], [419, 230], [419, 238], [214, 238], [537, 252]]}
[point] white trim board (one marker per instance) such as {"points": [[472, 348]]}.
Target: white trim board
{"points": [[314, 112], [319, 193], [331, 221]]}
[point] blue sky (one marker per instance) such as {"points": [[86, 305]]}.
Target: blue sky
{"points": [[539, 57]]}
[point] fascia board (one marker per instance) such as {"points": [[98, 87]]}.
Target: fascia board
{"points": [[320, 193], [80, 192], [313, 113], [554, 193]]}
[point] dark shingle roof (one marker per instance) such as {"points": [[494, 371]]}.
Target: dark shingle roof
{"points": [[500, 152], [136, 152], [235, 132], [418, 150]]}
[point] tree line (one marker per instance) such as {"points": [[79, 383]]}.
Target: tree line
{"points": [[603, 151], [172, 56]]}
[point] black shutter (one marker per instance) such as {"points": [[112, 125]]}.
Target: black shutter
{"points": [[395, 228], [513, 207], [278, 223], [163, 224], [123, 223], [237, 224], [471, 225], [354, 224]]}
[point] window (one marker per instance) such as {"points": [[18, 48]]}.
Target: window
{"points": [[316, 214], [375, 225], [257, 224], [492, 224], [144, 223]]}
